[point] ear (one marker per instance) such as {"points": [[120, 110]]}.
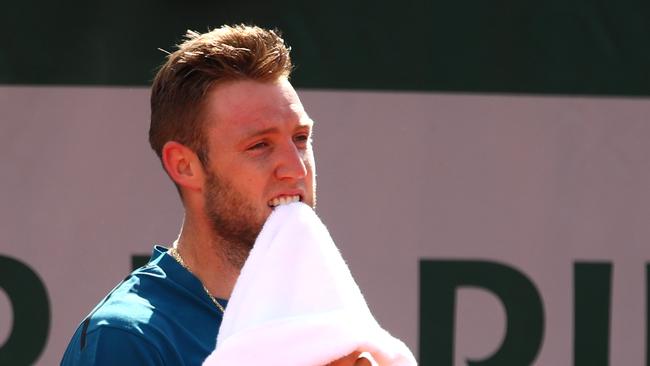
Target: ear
{"points": [[183, 166]]}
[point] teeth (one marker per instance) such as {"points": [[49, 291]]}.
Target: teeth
{"points": [[283, 200]]}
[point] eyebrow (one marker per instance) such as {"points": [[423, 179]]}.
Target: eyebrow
{"points": [[272, 130], [265, 131]]}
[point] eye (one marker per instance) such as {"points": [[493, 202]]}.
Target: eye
{"points": [[259, 145], [302, 138]]}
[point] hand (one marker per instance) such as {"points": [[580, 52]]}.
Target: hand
{"points": [[356, 358]]}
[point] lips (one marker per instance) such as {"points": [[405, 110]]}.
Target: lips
{"points": [[283, 200]]}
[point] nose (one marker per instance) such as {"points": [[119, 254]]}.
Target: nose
{"points": [[291, 163]]}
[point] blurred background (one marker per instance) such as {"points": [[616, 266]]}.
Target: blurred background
{"points": [[483, 166], [503, 46]]}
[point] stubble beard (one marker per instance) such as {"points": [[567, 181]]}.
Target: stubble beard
{"points": [[232, 218]]}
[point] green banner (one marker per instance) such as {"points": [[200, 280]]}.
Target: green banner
{"points": [[506, 46]]}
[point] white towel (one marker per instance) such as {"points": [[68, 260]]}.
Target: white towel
{"points": [[295, 302]]}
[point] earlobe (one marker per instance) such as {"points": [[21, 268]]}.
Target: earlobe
{"points": [[182, 165]]}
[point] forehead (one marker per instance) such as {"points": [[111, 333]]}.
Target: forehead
{"points": [[246, 105]]}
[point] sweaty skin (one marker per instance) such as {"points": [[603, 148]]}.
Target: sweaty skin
{"points": [[259, 155]]}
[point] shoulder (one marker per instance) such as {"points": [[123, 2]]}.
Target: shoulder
{"points": [[124, 328], [107, 345], [141, 316], [142, 304]]}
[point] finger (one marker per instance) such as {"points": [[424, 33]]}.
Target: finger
{"points": [[365, 359]]}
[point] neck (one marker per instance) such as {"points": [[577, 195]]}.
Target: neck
{"points": [[202, 253]]}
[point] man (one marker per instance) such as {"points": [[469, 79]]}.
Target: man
{"points": [[234, 138]]}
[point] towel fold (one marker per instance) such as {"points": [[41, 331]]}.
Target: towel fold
{"points": [[295, 302]]}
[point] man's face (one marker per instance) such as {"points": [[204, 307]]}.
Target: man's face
{"points": [[260, 155]]}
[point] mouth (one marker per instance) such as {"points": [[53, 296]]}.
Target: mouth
{"points": [[283, 200]]}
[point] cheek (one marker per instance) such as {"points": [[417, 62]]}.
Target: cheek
{"points": [[310, 160], [251, 179], [310, 163], [259, 181]]}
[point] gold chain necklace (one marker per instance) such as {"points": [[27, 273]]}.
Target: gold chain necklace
{"points": [[174, 253]]}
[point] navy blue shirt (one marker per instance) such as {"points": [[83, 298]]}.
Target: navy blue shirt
{"points": [[159, 315]]}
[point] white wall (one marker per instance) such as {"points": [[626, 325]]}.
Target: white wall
{"points": [[537, 183]]}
